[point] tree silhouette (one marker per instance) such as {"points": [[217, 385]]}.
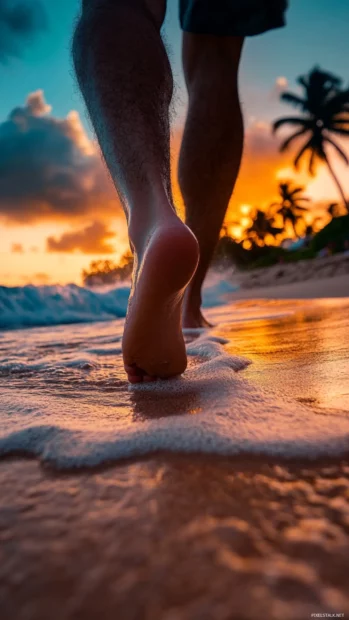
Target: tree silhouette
{"points": [[311, 229], [333, 210], [291, 205], [325, 107], [261, 226], [108, 272]]}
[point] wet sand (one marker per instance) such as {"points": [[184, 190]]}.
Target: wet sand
{"points": [[189, 537], [174, 538]]}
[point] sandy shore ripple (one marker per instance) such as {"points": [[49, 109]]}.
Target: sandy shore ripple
{"points": [[177, 538]]}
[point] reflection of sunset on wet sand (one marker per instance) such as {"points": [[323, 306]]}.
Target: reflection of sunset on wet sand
{"points": [[216, 534], [174, 403]]}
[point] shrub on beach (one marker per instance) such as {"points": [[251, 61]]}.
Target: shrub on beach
{"points": [[333, 236], [103, 272]]}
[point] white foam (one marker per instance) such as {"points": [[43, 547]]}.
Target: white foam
{"points": [[33, 306], [30, 306], [219, 412]]}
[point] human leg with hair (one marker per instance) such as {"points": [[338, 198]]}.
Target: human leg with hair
{"points": [[125, 77], [210, 157], [211, 148]]}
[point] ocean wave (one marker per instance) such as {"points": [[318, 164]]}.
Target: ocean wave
{"points": [[35, 306]]}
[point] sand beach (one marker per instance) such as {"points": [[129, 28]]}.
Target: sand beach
{"points": [[313, 278], [175, 534]]}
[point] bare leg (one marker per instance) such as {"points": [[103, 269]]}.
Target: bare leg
{"points": [[125, 77], [211, 148]]}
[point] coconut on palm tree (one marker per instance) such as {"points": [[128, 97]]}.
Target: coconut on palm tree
{"points": [[325, 116], [291, 205]]}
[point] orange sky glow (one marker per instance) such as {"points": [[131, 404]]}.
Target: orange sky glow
{"points": [[44, 242]]}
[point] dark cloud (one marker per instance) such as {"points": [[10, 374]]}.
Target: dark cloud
{"points": [[17, 248], [49, 169], [20, 20], [93, 239]]}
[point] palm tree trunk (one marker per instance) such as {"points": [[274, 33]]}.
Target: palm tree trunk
{"points": [[339, 187]]}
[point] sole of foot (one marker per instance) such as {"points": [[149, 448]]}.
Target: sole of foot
{"points": [[153, 345]]}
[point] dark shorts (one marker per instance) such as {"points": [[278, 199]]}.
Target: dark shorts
{"points": [[235, 18]]}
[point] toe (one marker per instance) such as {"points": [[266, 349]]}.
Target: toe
{"points": [[137, 375], [148, 379], [132, 369], [134, 374], [134, 378]]}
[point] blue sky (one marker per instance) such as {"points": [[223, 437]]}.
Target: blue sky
{"points": [[316, 34]]}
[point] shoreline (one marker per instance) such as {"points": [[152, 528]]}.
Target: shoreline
{"points": [[182, 536], [307, 279], [331, 287]]}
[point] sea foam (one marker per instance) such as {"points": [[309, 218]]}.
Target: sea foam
{"points": [[34, 306], [213, 409]]}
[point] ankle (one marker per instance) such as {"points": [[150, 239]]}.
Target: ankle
{"points": [[142, 225], [193, 297]]}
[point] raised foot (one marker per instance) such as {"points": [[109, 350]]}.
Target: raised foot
{"points": [[153, 345]]}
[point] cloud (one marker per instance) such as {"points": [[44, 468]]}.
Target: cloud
{"points": [[19, 21], [281, 83], [280, 86], [50, 169], [93, 239], [17, 248]]}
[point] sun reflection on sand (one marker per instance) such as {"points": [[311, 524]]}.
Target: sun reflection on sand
{"points": [[304, 353]]}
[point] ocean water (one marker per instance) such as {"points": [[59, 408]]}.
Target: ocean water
{"points": [[271, 379], [35, 306]]}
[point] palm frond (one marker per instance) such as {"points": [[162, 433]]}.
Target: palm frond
{"points": [[341, 119], [302, 80], [332, 209], [297, 190], [274, 230], [341, 131], [338, 149], [312, 163], [304, 148], [289, 120], [338, 102], [286, 143], [293, 99]]}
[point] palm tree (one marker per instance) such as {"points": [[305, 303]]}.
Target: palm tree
{"points": [[291, 205], [261, 226], [311, 229], [333, 210], [325, 107]]}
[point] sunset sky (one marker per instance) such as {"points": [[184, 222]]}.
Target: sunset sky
{"points": [[58, 209]]}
